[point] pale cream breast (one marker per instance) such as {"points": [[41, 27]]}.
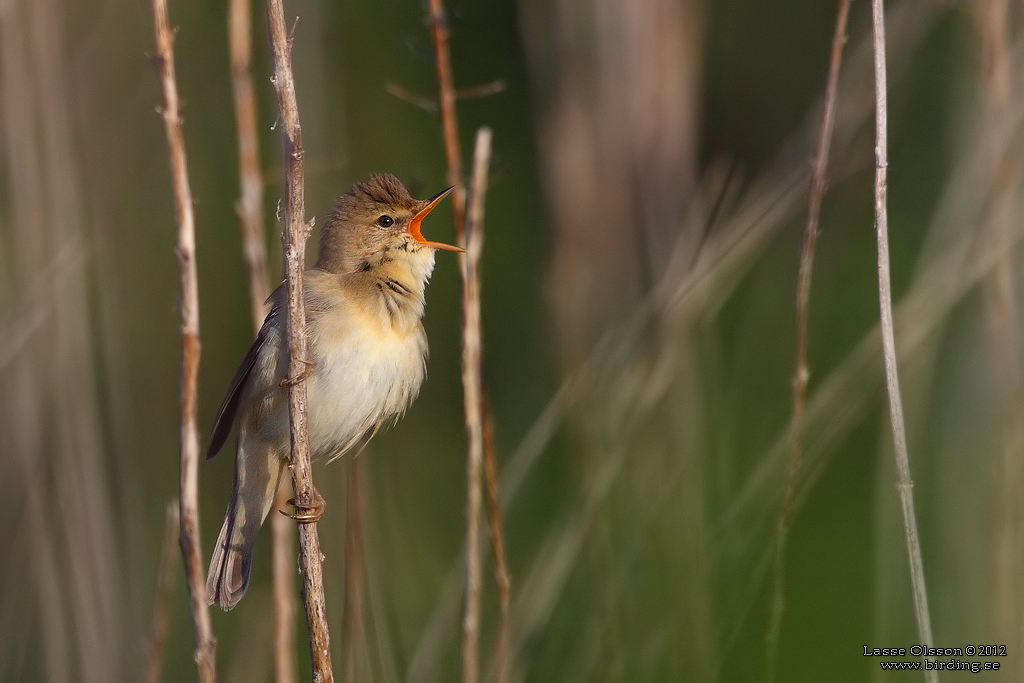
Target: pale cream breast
{"points": [[364, 373]]}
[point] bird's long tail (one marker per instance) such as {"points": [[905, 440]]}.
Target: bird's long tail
{"points": [[257, 476]]}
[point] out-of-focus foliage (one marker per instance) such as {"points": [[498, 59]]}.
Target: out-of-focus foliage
{"points": [[643, 227]]}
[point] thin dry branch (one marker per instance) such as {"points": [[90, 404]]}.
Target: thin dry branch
{"points": [[475, 397], [472, 387], [190, 346], [250, 215], [406, 95], [803, 295], [501, 576], [735, 243], [164, 586], [940, 283], [250, 201], [308, 502], [482, 90], [899, 435], [449, 122], [428, 104], [282, 536], [426, 657]]}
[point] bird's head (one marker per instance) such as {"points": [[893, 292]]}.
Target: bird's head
{"points": [[377, 224]]}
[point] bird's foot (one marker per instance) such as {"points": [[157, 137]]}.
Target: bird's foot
{"points": [[302, 377], [307, 514]]}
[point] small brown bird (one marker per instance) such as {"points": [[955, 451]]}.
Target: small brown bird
{"points": [[367, 347]]}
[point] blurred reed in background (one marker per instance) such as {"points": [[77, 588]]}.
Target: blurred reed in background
{"points": [[644, 220]]}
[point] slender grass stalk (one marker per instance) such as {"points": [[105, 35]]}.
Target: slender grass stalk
{"points": [[739, 238], [472, 387], [164, 586], [250, 215], [501, 576], [819, 170], [742, 232], [449, 121], [188, 493], [250, 201], [308, 502], [899, 435], [428, 104], [453, 156], [282, 536], [406, 95]]}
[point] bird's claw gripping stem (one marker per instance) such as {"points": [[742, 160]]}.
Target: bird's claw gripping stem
{"points": [[303, 376], [307, 514]]}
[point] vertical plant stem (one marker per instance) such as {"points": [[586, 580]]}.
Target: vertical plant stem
{"points": [[250, 215], [353, 570], [188, 493], [164, 586], [453, 157], [282, 538], [892, 383], [449, 122], [803, 295], [502, 579], [250, 201], [296, 231], [472, 388]]}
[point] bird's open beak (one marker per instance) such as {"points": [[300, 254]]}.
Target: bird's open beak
{"points": [[414, 224]]}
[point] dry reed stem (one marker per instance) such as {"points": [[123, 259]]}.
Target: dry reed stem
{"points": [[729, 250], [294, 236], [501, 576], [899, 435], [844, 397], [942, 281], [164, 586], [353, 629], [428, 652], [282, 536], [427, 104], [250, 215], [188, 493], [801, 373], [483, 90], [453, 156], [250, 201], [406, 95], [449, 122], [472, 388]]}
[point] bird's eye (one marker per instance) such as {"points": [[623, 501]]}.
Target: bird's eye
{"points": [[385, 221]]}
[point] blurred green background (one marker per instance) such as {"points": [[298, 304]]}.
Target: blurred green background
{"points": [[643, 230]]}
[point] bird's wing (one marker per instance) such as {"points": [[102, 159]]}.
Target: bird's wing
{"points": [[225, 419]]}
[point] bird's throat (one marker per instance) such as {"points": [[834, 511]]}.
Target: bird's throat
{"points": [[397, 289]]}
